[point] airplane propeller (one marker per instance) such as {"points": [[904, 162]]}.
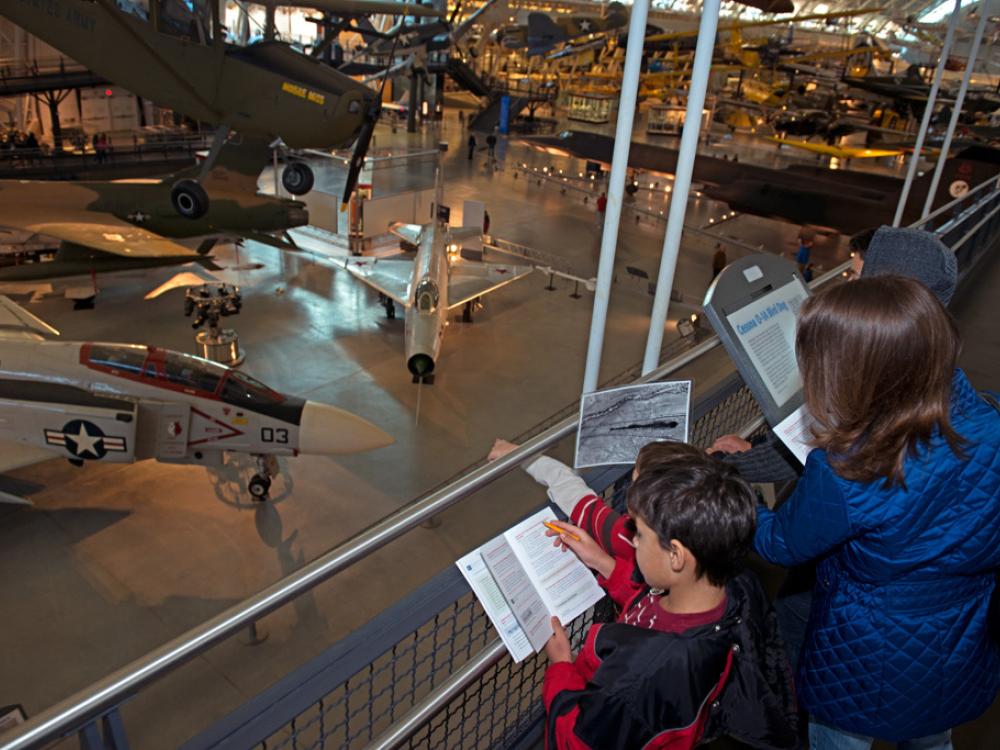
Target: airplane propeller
{"points": [[365, 136]]}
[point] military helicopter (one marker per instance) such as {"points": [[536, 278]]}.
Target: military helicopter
{"points": [[181, 59]]}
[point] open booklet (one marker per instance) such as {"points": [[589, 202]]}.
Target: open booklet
{"points": [[522, 580]]}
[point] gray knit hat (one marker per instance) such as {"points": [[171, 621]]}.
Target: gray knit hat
{"points": [[915, 254]]}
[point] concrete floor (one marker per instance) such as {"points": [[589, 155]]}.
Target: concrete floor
{"points": [[113, 561]]}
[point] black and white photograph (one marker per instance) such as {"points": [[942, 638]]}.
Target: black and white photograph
{"points": [[616, 423]]}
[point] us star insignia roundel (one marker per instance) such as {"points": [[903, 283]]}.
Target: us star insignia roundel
{"points": [[85, 440]]}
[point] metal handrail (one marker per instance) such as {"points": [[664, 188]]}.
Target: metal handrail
{"points": [[101, 696], [112, 690], [951, 204]]}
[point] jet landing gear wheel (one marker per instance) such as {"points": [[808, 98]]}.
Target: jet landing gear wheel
{"points": [[260, 484], [259, 487], [189, 199], [298, 178]]}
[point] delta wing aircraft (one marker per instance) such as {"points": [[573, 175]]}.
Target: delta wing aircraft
{"points": [[120, 403], [437, 280], [115, 226]]}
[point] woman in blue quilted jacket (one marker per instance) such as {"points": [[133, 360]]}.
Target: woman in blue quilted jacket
{"points": [[899, 504]]}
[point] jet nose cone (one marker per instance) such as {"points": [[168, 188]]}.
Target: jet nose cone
{"points": [[326, 430]]}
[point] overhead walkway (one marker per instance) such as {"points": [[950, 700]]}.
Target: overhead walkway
{"points": [[39, 77], [430, 671]]}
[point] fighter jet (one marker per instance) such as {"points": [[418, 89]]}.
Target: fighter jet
{"points": [[114, 226], [120, 403], [437, 280], [542, 34]]}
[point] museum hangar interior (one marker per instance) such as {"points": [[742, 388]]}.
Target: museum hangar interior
{"points": [[274, 277]]}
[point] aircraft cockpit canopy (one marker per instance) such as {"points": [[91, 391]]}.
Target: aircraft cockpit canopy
{"points": [[427, 296], [188, 19], [183, 372]]}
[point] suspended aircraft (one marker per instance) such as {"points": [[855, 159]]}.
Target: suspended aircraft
{"points": [[541, 33], [102, 227], [837, 199], [184, 62], [121, 403], [422, 38], [437, 280]]}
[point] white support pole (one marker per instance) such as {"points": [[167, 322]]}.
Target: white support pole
{"points": [[918, 147], [956, 111], [616, 191], [682, 180]]}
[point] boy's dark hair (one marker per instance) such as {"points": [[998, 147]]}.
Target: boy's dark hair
{"points": [[683, 493]]}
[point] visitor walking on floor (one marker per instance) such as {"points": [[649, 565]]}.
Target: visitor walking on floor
{"points": [[472, 145]]}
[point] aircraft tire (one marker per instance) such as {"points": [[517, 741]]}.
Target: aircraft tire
{"points": [[189, 199], [259, 486], [298, 178]]}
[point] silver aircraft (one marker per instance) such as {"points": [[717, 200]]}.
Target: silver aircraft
{"points": [[120, 403], [437, 280]]}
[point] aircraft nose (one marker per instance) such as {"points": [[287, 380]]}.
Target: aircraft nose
{"points": [[326, 430]]}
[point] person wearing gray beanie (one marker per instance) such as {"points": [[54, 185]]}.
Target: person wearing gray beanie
{"points": [[914, 253]]}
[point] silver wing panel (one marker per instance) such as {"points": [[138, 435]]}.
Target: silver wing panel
{"points": [[408, 232], [471, 280], [391, 277], [16, 322], [16, 455]]}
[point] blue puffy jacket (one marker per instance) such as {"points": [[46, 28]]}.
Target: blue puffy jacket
{"points": [[897, 644]]}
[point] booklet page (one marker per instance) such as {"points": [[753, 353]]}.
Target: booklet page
{"points": [[485, 588], [793, 431], [566, 585], [513, 581]]}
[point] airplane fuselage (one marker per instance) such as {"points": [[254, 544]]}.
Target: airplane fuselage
{"points": [[137, 402], [426, 316]]}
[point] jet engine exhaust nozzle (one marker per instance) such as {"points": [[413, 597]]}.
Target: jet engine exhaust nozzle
{"points": [[420, 365]]}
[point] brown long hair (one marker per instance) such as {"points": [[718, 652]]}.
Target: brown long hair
{"points": [[877, 357]]}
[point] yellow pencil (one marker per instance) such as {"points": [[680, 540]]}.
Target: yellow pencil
{"points": [[561, 531]]}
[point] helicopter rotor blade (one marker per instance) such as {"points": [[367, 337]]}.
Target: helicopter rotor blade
{"points": [[365, 136]]}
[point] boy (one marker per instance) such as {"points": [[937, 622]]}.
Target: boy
{"points": [[694, 653]]}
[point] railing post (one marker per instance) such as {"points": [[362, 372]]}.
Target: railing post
{"points": [[984, 8], [687, 151], [928, 110], [616, 187]]}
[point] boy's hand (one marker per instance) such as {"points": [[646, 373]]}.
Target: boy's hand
{"points": [[500, 449], [730, 444], [557, 648], [589, 551]]}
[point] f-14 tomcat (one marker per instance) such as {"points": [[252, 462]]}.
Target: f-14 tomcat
{"points": [[121, 403]]}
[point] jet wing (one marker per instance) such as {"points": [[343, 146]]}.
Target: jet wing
{"points": [[408, 232], [14, 455], [115, 238], [391, 277], [471, 280], [16, 322], [840, 152]]}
